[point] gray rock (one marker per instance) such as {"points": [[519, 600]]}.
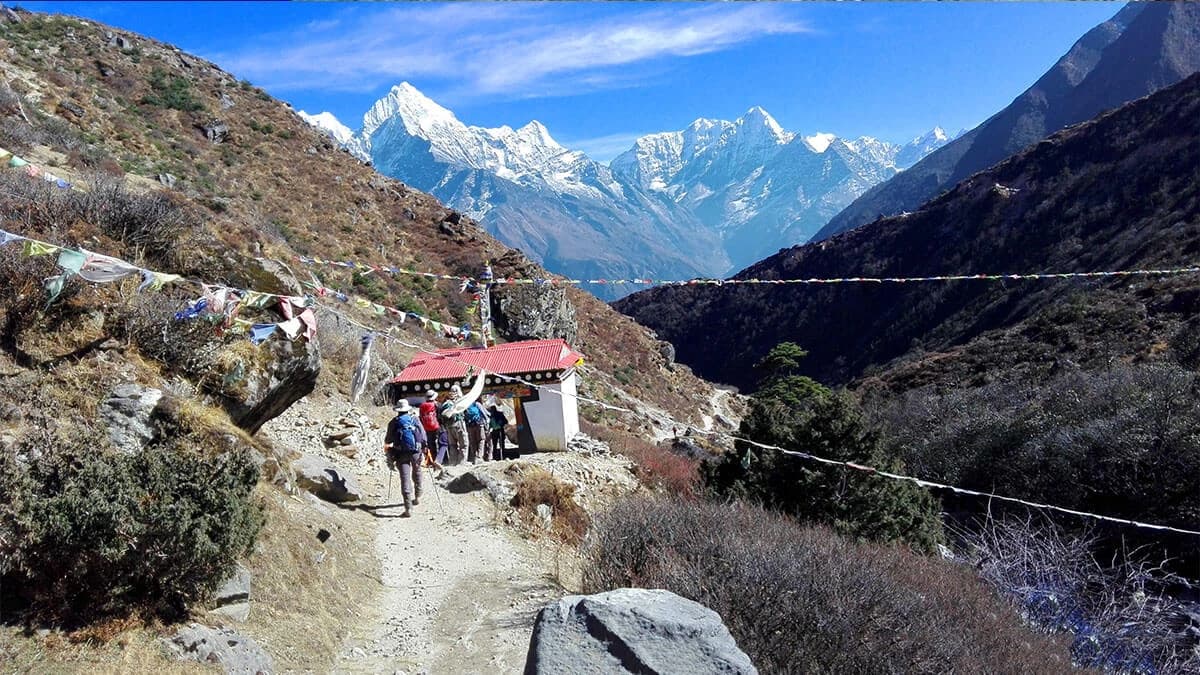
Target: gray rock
{"points": [[667, 351], [632, 630], [118, 41], [216, 131], [167, 179], [533, 312], [499, 490], [267, 389], [105, 69], [70, 109], [222, 647], [226, 101], [545, 515], [127, 412], [234, 589], [238, 611], [7, 15], [325, 480]]}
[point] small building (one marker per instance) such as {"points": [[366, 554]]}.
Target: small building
{"points": [[545, 411]]}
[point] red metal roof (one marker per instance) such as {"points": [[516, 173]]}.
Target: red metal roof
{"points": [[507, 359]]}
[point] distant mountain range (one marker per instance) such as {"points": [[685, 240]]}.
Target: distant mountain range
{"points": [[1120, 192], [1145, 47], [699, 202]]}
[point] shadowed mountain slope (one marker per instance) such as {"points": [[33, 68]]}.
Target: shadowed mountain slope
{"points": [[1145, 47], [1121, 192]]}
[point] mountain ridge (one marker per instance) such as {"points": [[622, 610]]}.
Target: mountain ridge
{"points": [[1118, 192], [678, 204], [1144, 47]]}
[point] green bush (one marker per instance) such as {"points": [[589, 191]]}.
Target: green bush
{"points": [[171, 92], [87, 533], [798, 413], [805, 600]]}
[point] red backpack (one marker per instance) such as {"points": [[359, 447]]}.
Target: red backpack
{"points": [[428, 416]]}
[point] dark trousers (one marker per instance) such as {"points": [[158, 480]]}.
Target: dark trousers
{"points": [[498, 440]]}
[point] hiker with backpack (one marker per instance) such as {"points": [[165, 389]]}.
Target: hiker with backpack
{"points": [[497, 421], [476, 420], [403, 446], [456, 428], [428, 414]]}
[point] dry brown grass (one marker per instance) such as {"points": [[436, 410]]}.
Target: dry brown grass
{"points": [[534, 486], [307, 596], [805, 600], [656, 467], [133, 650]]}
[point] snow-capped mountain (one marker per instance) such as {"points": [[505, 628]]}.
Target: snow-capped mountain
{"points": [[703, 201], [329, 124], [573, 215], [760, 187]]}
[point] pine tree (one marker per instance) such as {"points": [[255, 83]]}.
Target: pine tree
{"points": [[799, 413]]}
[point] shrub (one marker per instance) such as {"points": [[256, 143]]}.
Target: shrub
{"points": [[1122, 443], [1123, 616], [655, 466], [171, 92], [804, 600], [797, 413], [156, 223], [87, 534], [536, 486]]}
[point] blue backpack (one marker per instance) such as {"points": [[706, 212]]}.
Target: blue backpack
{"points": [[405, 431], [475, 414]]}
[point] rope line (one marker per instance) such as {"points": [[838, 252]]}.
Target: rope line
{"points": [[363, 268], [803, 455]]}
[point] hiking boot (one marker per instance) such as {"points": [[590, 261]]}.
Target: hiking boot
{"points": [[406, 514], [416, 501]]}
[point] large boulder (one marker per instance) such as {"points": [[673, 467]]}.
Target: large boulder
{"points": [[533, 312], [127, 414], [223, 647], [632, 630], [323, 479], [255, 390]]}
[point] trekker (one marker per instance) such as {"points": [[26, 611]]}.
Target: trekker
{"points": [[428, 414], [402, 446], [456, 428], [497, 421], [477, 421]]}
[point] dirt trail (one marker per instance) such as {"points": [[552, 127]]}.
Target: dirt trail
{"points": [[461, 589]]}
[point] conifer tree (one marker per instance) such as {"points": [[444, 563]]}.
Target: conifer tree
{"points": [[798, 413]]}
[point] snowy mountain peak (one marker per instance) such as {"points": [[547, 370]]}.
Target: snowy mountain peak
{"points": [[758, 120], [934, 135], [419, 113], [330, 124], [819, 142], [537, 133]]}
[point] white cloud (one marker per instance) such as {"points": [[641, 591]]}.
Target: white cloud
{"points": [[485, 49]]}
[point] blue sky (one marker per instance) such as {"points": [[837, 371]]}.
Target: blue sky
{"points": [[600, 74]]}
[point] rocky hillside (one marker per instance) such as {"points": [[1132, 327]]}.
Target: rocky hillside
{"points": [[1145, 47], [96, 105], [1121, 192]]}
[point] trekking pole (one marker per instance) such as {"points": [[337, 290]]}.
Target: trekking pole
{"points": [[389, 471]]}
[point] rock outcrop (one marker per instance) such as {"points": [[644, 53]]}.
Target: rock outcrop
{"points": [[522, 312], [222, 647], [127, 414], [632, 630]]}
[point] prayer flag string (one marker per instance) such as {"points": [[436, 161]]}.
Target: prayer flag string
{"points": [[928, 484]]}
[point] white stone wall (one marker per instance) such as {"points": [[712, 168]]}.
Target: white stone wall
{"points": [[554, 418]]}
